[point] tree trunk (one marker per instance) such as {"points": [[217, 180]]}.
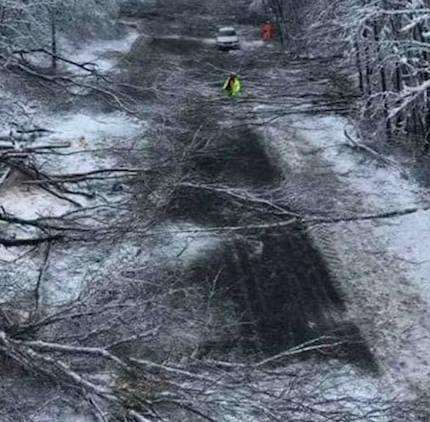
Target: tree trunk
{"points": [[383, 79], [53, 40], [359, 69]]}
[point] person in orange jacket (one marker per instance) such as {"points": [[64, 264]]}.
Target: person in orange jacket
{"points": [[267, 31]]}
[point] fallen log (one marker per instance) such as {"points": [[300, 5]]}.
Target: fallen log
{"points": [[10, 242], [360, 146]]}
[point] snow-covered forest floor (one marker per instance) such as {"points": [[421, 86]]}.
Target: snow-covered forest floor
{"points": [[227, 233]]}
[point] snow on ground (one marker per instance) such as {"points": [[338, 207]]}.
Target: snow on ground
{"points": [[253, 44], [87, 133], [28, 203], [245, 45], [6, 255], [383, 188], [89, 136], [328, 386], [103, 53], [185, 245], [382, 265], [410, 239], [84, 132], [70, 126], [12, 108], [68, 273]]}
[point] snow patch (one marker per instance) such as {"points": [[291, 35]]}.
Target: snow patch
{"points": [[185, 244], [90, 137], [29, 203], [103, 53], [70, 126], [87, 133]]}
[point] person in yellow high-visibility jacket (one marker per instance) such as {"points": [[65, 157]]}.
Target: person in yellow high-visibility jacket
{"points": [[233, 85]]}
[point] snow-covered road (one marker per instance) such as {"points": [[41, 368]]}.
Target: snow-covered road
{"points": [[383, 266]]}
